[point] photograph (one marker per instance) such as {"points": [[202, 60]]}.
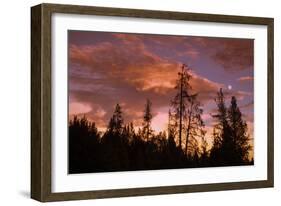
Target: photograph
{"points": [[157, 101]]}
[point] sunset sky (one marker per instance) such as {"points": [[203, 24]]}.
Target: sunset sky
{"points": [[108, 68]]}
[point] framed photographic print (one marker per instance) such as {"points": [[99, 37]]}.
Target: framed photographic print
{"points": [[132, 102]]}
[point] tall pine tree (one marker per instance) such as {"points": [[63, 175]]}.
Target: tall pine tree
{"points": [[230, 146], [239, 132], [223, 151], [186, 114], [116, 121], [180, 101], [147, 117], [195, 125]]}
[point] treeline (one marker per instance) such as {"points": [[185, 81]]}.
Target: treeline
{"points": [[184, 145]]}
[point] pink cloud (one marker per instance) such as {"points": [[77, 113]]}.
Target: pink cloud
{"points": [[76, 108], [143, 70], [246, 79], [231, 53]]}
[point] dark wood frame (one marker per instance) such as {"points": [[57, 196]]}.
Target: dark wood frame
{"points": [[41, 101]]}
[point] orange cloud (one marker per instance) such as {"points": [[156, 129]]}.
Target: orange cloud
{"points": [[133, 66], [76, 108], [245, 79]]}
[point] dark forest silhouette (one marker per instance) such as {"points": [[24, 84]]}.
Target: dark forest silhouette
{"points": [[121, 148]]}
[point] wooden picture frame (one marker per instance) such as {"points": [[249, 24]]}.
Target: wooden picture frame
{"points": [[41, 97]]}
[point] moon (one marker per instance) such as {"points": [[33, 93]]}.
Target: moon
{"points": [[229, 87]]}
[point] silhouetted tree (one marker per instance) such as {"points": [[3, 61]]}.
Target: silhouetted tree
{"points": [[115, 144], [187, 113], [147, 117], [239, 132], [116, 121], [230, 146], [223, 146], [180, 101], [195, 125]]}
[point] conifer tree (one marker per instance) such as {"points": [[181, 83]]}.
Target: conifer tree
{"points": [[180, 101], [238, 132], [187, 113], [116, 121], [195, 125], [224, 148], [147, 117]]}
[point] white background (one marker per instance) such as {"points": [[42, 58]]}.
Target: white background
{"points": [[15, 102]]}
